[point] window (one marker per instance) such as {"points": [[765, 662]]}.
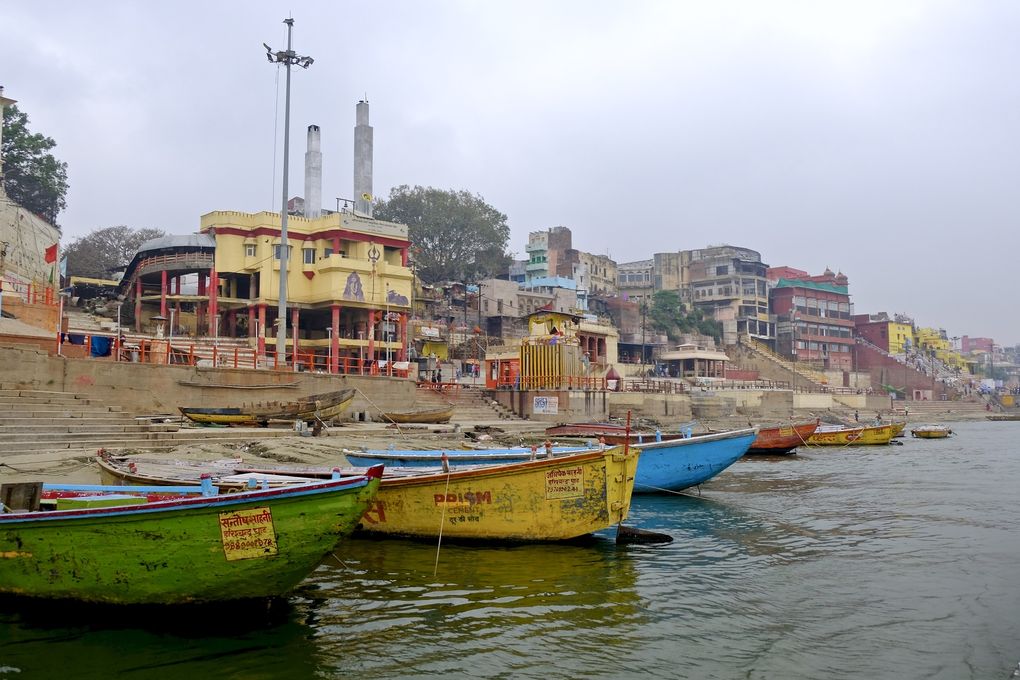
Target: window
{"points": [[249, 250], [327, 251], [308, 255], [722, 271], [276, 251]]}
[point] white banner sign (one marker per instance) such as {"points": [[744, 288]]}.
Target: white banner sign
{"points": [[546, 405]]}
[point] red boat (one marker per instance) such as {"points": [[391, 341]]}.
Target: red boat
{"points": [[613, 434], [782, 439]]}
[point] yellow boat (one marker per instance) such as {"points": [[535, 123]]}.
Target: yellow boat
{"points": [[876, 434], [322, 407], [548, 499], [931, 432], [898, 428]]}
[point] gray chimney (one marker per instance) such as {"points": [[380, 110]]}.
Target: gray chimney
{"points": [[363, 161], [313, 174]]}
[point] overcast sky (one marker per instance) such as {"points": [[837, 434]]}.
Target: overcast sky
{"points": [[881, 139]]}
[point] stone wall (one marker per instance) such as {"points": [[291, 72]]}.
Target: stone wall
{"points": [[35, 314], [150, 388], [571, 405], [659, 407]]}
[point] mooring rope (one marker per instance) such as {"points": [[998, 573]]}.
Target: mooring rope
{"points": [[383, 413], [442, 518]]}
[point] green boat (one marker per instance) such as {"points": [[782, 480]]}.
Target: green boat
{"points": [[192, 550]]}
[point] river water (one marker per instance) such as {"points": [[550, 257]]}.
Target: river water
{"points": [[872, 562]]}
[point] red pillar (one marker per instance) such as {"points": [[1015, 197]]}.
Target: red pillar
{"points": [[232, 322], [371, 335], [162, 294], [138, 305], [334, 341], [261, 344], [403, 257], [200, 307], [251, 321], [177, 285], [403, 335], [214, 285], [295, 329]]}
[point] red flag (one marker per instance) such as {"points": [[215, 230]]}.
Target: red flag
{"points": [[51, 254]]}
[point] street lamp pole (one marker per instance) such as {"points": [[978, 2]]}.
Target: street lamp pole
{"points": [[4, 245], [287, 58]]}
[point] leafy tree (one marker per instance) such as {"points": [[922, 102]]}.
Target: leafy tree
{"points": [[665, 312], [33, 177], [668, 315], [96, 254], [455, 235]]}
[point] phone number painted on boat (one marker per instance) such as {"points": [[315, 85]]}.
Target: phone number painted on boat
{"points": [[564, 483], [248, 534]]}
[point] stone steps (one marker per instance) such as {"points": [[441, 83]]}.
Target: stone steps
{"points": [[117, 441], [33, 421], [62, 427], [63, 413]]}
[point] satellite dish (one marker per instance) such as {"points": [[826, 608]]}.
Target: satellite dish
{"points": [[366, 196]]}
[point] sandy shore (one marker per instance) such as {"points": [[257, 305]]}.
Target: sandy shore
{"points": [[327, 451]]}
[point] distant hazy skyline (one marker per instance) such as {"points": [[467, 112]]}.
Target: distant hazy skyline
{"points": [[879, 139]]}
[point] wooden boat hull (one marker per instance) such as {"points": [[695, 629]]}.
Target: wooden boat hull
{"points": [[183, 551], [776, 440], [218, 416], [542, 500], [934, 432], [611, 433], [431, 417], [858, 436], [663, 466], [309, 409], [683, 463]]}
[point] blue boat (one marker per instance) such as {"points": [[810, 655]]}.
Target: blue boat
{"points": [[670, 465]]}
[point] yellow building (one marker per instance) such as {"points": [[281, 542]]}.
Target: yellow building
{"points": [[900, 335], [934, 341], [348, 283]]}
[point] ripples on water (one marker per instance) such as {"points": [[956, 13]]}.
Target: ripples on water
{"points": [[888, 562]]}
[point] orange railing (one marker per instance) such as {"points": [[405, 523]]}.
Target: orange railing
{"points": [[34, 293], [158, 351]]}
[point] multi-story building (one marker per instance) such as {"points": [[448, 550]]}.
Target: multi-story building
{"points": [[969, 344], [348, 281], [546, 252], [814, 318], [634, 280], [894, 335], [594, 274], [728, 284]]}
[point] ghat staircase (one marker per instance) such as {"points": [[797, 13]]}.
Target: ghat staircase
{"points": [[33, 421], [470, 405], [815, 379]]}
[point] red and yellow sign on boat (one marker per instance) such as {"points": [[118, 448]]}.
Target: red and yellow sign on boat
{"points": [[549, 499], [857, 436]]}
